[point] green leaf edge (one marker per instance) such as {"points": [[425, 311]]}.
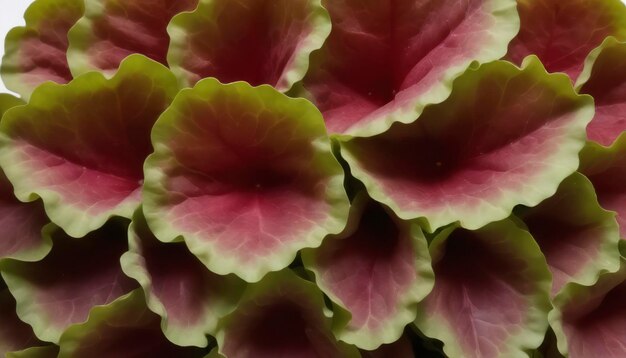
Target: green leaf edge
{"points": [[321, 27], [75, 221], [275, 282], [537, 323], [70, 339], [33, 14], [35, 352], [573, 290], [81, 37], [153, 190], [546, 185], [506, 25], [608, 259], [393, 328], [133, 265]]}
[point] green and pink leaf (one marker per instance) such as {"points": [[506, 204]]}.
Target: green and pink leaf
{"points": [[506, 136], [245, 175], [491, 293]]}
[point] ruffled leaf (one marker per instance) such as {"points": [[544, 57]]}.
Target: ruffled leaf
{"points": [[578, 238], [15, 335], [491, 294], [35, 53], [87, 163], [123, 329], [257, 41], [506, 136], [606, 168], [604, 78], [590, 321], [562, 33], [75, 276], [245, 175], [384, 61], [280, 316], [377, 270], [189, 298], [24, 229], [111, 30]]}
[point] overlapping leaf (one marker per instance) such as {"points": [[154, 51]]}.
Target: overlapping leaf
{"points": [[35, 53], [491, 294], [280, 316], [505, 136], [189, 298], [384, 61], [245, 175], [604, 78], [257, 41], [606, 168], [81, 147], [111, 30], [124, 329], [15, 335], [62, 288], [578, 238], [590, 321], [24, 227], [562, 33], [377, 270]]}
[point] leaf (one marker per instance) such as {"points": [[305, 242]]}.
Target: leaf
{"points": [[562, 33], [578, 238], [123, 329], [245, 175], [491, 294], [589, 321], [257, 41], [189, 298], [62, 288], [385, 61], [280, 316], [15, 335], [378, 270], [506, 136], [86, 164], [606, 169], [111, 30], [604, 78], [35, 53]]}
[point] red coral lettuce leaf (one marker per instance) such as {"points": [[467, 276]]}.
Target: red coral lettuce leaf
{"points": [[124, 329], [491, 294], [606, 168], [245, 175], [562, 33], [15, 335], [80, 147], [384, 61], [604, 78], [111, 30], [257, 41], [505, 136], [35, 53], [75, 276], [590, 321], [578, 238], [280, 316], [178, 287], [377, 270]]}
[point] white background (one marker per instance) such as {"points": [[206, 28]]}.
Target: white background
{"points": [[11, 14]]}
